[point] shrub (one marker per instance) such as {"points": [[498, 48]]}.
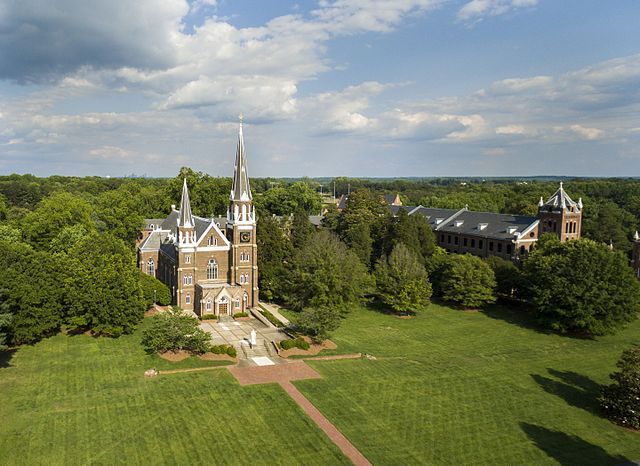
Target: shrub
{"points": [[241, 314], [208, 317], [223, 349], [298, 342], [174, 331], [318, 323], [271, 318], [620, 401]]}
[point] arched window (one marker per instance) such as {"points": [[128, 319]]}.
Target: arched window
{"points": [[237, 302], [187, 298], [208, 304], [242, 279], [212, 269], [151, 268], [212, 241]]}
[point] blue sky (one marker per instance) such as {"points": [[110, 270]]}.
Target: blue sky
{"points": [[328, 87]]}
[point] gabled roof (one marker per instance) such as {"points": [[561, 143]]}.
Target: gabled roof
{"points": [[488, 224], [240, 190]]}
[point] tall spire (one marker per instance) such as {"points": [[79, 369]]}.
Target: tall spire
{"points": [[240, 191], [186, 218]]}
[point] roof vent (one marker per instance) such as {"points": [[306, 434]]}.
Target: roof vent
{"points": [[482, 226], [512, 230], [459, 223], [439, 221]]}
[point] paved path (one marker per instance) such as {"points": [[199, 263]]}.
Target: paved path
{"points": [[283, 374], [194, 369], [332, 432]]}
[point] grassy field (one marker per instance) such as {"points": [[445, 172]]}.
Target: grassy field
{"points": [[461, 388], [82, 400], [445, 387]]}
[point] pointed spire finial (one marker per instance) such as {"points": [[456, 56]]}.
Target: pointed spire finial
{"points": [[186, 218], [636, 237], [611, 245], [561, 185], [541, 202]]}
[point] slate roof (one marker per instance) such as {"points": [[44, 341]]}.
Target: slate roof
{"points": [[315, 220], [497, 225], [560, 200]]}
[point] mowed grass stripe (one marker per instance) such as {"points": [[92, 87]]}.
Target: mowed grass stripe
{"points": [[470, 388]]}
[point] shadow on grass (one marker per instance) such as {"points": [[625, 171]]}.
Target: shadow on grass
{"points": [[568, 449], [575, 389], [521, 315], [5, 358]]}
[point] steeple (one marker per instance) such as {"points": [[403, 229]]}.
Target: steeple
{"points": [[240, 191], [186, 218]]}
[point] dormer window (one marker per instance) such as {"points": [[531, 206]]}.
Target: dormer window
{"points": [[512, 230], [459, 223], [439, 221], [482, 226]]}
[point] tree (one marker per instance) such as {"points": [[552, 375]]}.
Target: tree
{"points": [[326, 274], [414, 232], [318, 323], [103, 290], [509, 280], [154, 291], [402, 281], [174, 330], [274, 252], [467, 280], [118, 211], [581, 286], [356, 222], [5, 320], [301, 228], [53, 214], [620, 401], [33, 292]]}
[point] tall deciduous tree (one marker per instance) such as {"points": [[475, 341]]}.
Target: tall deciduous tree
{"points": [[103, 290], [620, 401], [402, 281], [34, 292], [274, 253], [467, 280], [53, 214], [326, 274], [581, 286], [318, 323]]}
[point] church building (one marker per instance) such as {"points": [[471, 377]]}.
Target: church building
{"points": [[210, 264]]}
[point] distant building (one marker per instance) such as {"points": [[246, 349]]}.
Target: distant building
{"points": [[210, 264], [505, 235]]}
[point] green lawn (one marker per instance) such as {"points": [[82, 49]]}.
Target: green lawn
{"points": [[446, 387], [81, 400], [460, 388]]}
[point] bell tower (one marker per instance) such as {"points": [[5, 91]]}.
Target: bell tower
{"points": [[241, 230], [186, 252], [561, 216]]}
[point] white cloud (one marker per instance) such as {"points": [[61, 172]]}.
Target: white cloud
{"points": [[478, 9]]}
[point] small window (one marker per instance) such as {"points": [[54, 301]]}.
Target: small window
{"points": [[508, 249], [490, 245], [151, 268], [456, 240], [187, 298], [212, 269], [187, 259], [473, 243], [237, 302], [208, 305], [212, 241], [499, 247], [242, 279], [449, 239], [442, 238], [464, 242], [480, 244]]}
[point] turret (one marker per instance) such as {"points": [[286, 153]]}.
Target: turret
{"points": [[560, 215]]}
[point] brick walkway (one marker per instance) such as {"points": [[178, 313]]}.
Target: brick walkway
{"points": [[283, 374]]}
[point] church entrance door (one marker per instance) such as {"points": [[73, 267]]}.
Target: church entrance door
{"points": [[223, 309]]}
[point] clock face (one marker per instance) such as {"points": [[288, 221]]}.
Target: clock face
{"points": [[245, 237]]}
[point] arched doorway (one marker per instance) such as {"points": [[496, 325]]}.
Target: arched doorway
{"points": [[223, 306]]}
